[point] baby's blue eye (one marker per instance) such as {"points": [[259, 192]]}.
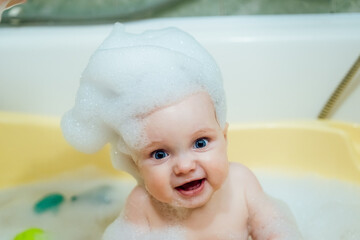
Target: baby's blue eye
{"points": [[200, 143], [159, 154]]}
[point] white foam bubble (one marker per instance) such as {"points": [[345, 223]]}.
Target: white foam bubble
{"points": [[129, 231], [131, 75]]}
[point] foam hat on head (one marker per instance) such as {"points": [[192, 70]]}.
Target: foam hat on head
{"points": [[130, 75]]}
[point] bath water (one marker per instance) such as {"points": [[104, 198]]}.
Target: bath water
{"points": [[91, 202], [324, 208]]}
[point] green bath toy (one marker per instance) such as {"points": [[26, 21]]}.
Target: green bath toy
{"points": [[32, 234], [49, 202]]}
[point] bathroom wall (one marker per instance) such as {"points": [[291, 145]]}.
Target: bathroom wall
{"points": [[275, 68], [95, 11]]}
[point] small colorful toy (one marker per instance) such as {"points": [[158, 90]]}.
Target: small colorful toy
{"points": [[32, 234], [49, 202]]}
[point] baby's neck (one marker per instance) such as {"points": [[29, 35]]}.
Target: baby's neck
{"points": [[170, 213]]}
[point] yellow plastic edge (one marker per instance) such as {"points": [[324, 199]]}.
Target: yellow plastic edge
{"points": [[32, 148], [323, 147]]}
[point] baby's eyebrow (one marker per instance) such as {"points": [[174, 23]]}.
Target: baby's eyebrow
{"points": [[151, 145], [204, 130]]}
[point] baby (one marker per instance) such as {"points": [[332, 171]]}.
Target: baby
{"points": [[158, 98]]}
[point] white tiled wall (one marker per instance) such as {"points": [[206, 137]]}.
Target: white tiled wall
{"points": [[280, 67]]}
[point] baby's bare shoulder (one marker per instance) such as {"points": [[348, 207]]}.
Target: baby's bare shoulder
{"points": [[138, 194], [241, 172], [246, 179], [136, 205], [137, 197]]}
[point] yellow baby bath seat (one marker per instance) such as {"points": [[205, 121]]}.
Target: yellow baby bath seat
{"points": [[33, 148]]}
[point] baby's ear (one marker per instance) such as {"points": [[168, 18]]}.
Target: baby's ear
{"points": [[225, 131]]}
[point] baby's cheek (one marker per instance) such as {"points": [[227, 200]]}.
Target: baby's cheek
{"points": [[157, 185], [221, 173], [218, 170]]}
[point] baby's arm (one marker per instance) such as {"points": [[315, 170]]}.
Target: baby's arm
{"points": [[269, 219]]}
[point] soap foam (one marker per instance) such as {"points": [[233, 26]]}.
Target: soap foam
{"points": [[323, 208], [127, 230], [130, 75]]}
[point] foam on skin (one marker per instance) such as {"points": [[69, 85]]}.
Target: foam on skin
{"points": [[126, 230], [129, 76]]}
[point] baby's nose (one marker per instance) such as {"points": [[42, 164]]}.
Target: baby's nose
{"points": [[184, 164]]}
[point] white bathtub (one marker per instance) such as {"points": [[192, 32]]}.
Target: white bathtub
{"points": [[274, 67]]}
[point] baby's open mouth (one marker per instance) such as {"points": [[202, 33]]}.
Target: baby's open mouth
{"points": [[191, 188]]}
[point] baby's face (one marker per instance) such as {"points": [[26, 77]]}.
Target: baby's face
{"points": [[185, 160]]}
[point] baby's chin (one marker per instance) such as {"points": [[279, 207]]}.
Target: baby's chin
{"points": [[188, 205], [177, 204]]}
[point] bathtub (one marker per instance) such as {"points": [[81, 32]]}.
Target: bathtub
{"points": [[275, 68], [278, 73]]}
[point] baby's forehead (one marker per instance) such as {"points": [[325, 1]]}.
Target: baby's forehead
{"points": [[196, 110], [191, 116]]}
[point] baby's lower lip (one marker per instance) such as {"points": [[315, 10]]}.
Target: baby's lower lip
{"points": [[191, 188]]}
